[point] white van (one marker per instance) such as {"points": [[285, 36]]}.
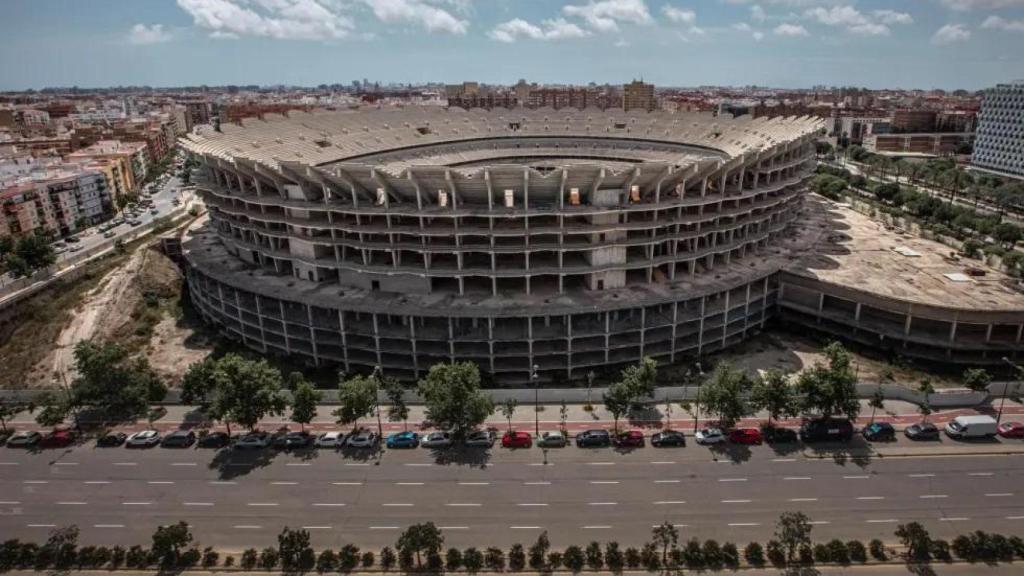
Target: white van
{"points": [[965, 427]]}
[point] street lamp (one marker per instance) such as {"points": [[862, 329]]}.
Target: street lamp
{"points": [[696, 413], [376, 379], [536, 400], [999, 415]]}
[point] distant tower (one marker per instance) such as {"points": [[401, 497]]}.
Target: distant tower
{"points": [[638, 96]]}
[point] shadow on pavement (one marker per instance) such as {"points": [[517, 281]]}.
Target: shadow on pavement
{"points": [[462, 456], [231, 463], [785, 448], [735, 453], [857, 452]]}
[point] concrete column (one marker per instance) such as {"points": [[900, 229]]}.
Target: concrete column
{"points": [[284, 325], [451, 339], [344, 343], [700, 328], [412, 344], [312, 334], [988, 333], [821, 306], [725, 318], [952, 331], [906, 324]]}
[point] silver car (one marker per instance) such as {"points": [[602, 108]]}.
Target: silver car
{"points": [[24, 439], [709, 436], [436, 440], [143, 439], [480, 439], [362, 439]]}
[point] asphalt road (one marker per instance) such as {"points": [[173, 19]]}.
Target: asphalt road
{"points": [[235, 500]]}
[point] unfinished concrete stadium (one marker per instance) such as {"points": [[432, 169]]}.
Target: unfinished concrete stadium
{"points": [[542, 245]]}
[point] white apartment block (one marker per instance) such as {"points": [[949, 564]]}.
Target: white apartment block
{"points": [[999, 146]]}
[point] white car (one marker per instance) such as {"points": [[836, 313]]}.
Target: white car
{"points": [[24, 439], [436, 440], [143, 439], [362, 439], [710, 436], [330, 440], [480, 439], [255, 440]]}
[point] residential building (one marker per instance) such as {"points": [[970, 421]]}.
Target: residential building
{"points": [[638, 95], [910, 121], [132, 156]]}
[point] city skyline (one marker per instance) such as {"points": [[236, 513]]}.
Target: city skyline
{"points": [[948, 44]]}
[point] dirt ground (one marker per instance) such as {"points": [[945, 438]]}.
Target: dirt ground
{"points": [[175, 344]]}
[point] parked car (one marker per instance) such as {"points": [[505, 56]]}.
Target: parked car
{"points": [[709, 436], [879, 432], [746, 436], [826, 430], [292, 440], [24, 439], [552, 439], [331, 440], [179, 439], [362, 439], [668, 438], [154, 211], [111, 439], [406, 439], [74, 248], [629, 439], [253, 441], [516, 439], [109, 234], [593, 439], [922, 431], [779, 435], [1011, 429], [73, 239], [57, 439], [480, 439], [970, 427], [437, 440], [214, 440], [143, 439]]}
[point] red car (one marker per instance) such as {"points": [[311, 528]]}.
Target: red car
{"points": [[516, 439], [745, 436], [1011, 429], [57, 439], [629, 439]]}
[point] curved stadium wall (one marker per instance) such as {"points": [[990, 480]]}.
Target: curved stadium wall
{"points": [[542, 242]]}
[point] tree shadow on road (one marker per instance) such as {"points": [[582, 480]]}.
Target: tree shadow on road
{"points": [[735, 453], [785, 448], [231, 463], [857, 452], [462, 456], [801, 571]]}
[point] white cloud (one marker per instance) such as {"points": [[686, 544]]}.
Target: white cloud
{"points": [[758, 36], [1000, 23], [421, 12], [790, 30], [679, 15], [966, 5], [757, 14], [142, 34], [605, 15], [857, 22], [951, 33], [742, 27], [558, 29], [280, 19], [893, 17]]}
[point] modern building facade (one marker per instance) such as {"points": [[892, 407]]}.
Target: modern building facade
{"points": [[539, 242], [999, 146]]}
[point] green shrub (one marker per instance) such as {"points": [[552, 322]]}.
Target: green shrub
{"points": [[805, 554], [712, 553], [693, 554], [516, 558], [137, 557], [632, 557], [754, 554], [877, 550], [1018, 546], [190, 558], [473, 560], [821, 553], [387, 559], [327, 561], [453, 559], [435, 563], [229, 561], [940, 550], [117, 554], [210, 557], [368, 559], [730, 555], [269, 558], [776, 553], [556, 558], [963, 547], [494, 559], [650, 557], [838, 551], [614, 558], [595, 558], [249, 559], [348, 558], [856, 550]]}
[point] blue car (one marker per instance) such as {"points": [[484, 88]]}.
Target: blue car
{"points": [[403, 440]]}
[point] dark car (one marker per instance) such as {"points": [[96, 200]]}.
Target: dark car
{"points": [[112, 439], [57, 439], [178, 439], [826, 430], [668, 438], [214, 440], [629, 439], [922, 431], [293, 440], [879, 432], [593, 438], [779, 435]]}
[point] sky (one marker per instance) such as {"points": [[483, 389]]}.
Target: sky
{"points": [[926, 44]]}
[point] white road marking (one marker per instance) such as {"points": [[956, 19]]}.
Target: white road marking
{"points": [[463, 504], [744, 524], [676, 525], [601, 527], [870, 497], [160, 482], [347, 483], [399, 504], [604, 481], [980, 474], [246, 527], [783, 459], [418, 464], [669, 502], [136, 503], [885, 521], [66, 503], [383, 527], [96, 482], [544, 483], [357, 463], [735, 501], [732, 479], [531, 504], [856, 477], [803, 499], [197, 503], [10, 463], [474, 483], [184, 464], [42, 525], [223, 482], [36, 482], [1015, 517], [10, 503], [65, 463], [299, 464], [600, 463], [284, 483], [316, 527], [524, 527], [954, 519], [999, 494], [602, 503], [663, 462], [933, 496], [920, 475], [126, 463], [108, 525], [328, 504], [667, 481], [818, 522], [797, 478], [454, 527], [262, 504], [408, 483]]}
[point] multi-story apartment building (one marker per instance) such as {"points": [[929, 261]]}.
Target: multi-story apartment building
{"points": [[638, 95], [999, 146], [132, 156], [56, 202], [913, 120]]}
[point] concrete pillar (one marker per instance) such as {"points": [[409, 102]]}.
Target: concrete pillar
{"points": [[700, 328], [952, 332]]}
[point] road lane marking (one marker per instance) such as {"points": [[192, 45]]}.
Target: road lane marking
{"points": [[524, 527], [408, 483], [261, 504], [417, 464], [70, 503], [598, 527], [744, 524], [197, 503], [246, 527], [732, 479], [933, 496], [136, 503], [41, 525], [357, 463], [818, 522], [453, 527], [602, 503], [463, 504], [299, 464], [36, 482], [604, 481], [399, 504], [223, 482], [10, 503], [383, 527], [160, 482], [474, 483], [803, 499], [1015, 517], [885, 521], [954, 519], [108, 525], [735, 501], [783, 459], [980, 474], [284, 483], [663, 462], [531, 504], [797, 478], [316, 528], [347, 483], [329, 504], [544, 483], [10, 463], [96, 482], [865, 477], [126, 463], [676, 525], [184, 464], [921, 475], [999, 494], [65, 463], [669, 502], [667, 481], [870, 497], [600, 463]]}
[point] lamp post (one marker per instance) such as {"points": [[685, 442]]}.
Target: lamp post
{"points": [[376, 379], [999, 415], [696, 413], [536, 400]]}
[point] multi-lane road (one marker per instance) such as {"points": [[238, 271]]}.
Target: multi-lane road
{"points": [[238, 499]]}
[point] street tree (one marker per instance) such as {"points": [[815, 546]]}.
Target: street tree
{"points": [[508, 409], [772, 392], [640, 379], [29, 254], [398, 410], [9, 410], [574, 559], [304, 401], [977, 379], [916, 539], [877, 402], [830, 388], [538, 551], [419, 540], [793, 530], [453, 398], [724, 394], [356, 398], [109, 379], [617, 400], [199, 383], [926, 389], [169, 541], [51, 409], [246, 391], [295, 550], [665, 536]]}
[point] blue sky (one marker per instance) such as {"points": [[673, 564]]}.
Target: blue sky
{"points": [[787, 43]]}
